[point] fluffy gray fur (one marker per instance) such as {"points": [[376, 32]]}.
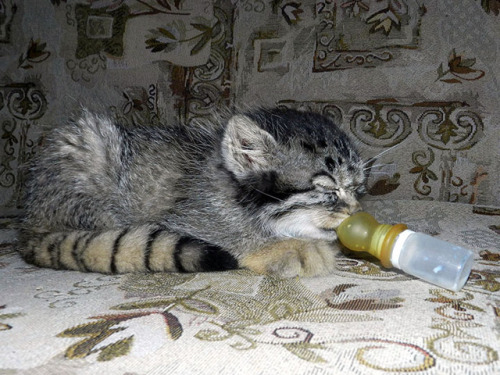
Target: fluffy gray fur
{"points": [[263, 190]]}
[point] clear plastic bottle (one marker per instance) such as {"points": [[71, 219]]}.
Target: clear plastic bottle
{"points": [[433, 260]]}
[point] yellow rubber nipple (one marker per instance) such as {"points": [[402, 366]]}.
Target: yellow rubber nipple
{"points": [[361, 232]]}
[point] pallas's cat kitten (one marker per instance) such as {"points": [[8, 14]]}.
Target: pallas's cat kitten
{"points": [[264, 190]]}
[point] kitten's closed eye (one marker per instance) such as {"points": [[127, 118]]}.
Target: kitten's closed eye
{"points": [[323, 182]]}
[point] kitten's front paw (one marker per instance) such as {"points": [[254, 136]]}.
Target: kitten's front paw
{"points": [[293, 257]]}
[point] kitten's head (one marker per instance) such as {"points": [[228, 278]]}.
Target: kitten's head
{"points": [[297, 171]]}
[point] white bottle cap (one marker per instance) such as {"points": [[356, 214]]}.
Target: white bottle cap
{"points": [[398, 246]]}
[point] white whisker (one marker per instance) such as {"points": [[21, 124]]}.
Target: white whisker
{"points": [[278, 199], [269, 195], [374, 166], [379, 155]]}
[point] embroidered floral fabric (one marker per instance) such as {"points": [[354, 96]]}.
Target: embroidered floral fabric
{"points": [[362, 319], [415, 82]]}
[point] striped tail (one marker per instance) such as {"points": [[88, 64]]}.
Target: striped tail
{"points": [[145, 248]]}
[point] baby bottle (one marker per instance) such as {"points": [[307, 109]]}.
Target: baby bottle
{"points": [[433, 260]]}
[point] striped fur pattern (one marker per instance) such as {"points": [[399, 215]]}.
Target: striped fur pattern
{"points": [[264, 190], [149, 248]]}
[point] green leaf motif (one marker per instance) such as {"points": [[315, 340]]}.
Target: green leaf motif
{"points": [[116, 349], [211, 335], [201, 27], [167, 33], [96, 332], [12, 138], [10, 316], [447, 130], [431, 175], [145, 304], [304, 351], [199, 306], [156, 44], [201, 43], [88, 329], [165, 4], [440, 71], [467, 63], [216, 29], [246, 344]]}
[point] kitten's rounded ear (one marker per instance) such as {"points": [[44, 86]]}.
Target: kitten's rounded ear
{"points": [[246, 147]]}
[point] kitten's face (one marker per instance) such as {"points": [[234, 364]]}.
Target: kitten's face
{"points": [[300, 173], [314, 191]]}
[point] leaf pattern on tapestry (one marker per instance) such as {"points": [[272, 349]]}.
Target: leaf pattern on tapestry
{"points": [[459, 69], [423, 171], [95, 333], [384, 20], [355, 7], [167, 38], [147, 7], [456, 324], [489, 255], [228, 317], [486, 280], [241, 313], [337, 298], [304, 350], [384, 185], [35, 54], [291, 12], [5, 326], [491, 6]]}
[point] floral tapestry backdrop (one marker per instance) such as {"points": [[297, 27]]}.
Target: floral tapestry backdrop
{"points": [[415, 83]]}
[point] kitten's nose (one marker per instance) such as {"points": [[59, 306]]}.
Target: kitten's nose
{"points": [[350, 204], [355, 207], [352, 207]]}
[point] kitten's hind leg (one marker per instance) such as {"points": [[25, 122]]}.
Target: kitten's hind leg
{"points": [[290, 258]]}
